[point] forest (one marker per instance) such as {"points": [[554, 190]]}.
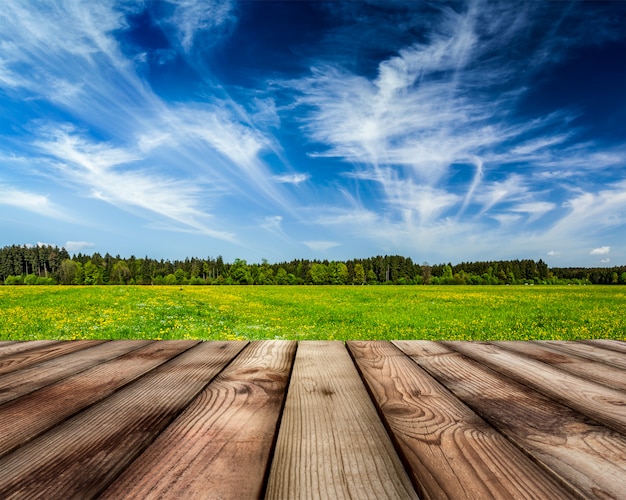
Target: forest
{"points": [[50, 265]]}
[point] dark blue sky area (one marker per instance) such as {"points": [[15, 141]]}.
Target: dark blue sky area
{"points": [[590, 82], [288, 31]]}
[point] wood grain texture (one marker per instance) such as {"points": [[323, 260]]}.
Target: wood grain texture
{"points": [[81, 457], [15, 384], [331, 442], [26, 417], [589, 351], [587, 456], [50, 349], [451, 451], [220, 446], [614, 345], [601, 403], [192, 419], [608, 375], [11, 347]]}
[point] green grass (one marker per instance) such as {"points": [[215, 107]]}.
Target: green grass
{"points": [[309, 312]]}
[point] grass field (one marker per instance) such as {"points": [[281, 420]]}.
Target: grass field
{"points": [[308, 312]]}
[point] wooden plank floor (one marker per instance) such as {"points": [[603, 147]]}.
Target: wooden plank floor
{"points": [[314, 419]]}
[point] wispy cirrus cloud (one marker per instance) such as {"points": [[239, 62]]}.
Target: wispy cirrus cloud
{"points": [[214, 128], [448, 105], [587, 216], [32, 202], [190, 18], [104, 171], [321, 246], [415, 112], [67, 50], [534, 210], [272, 223], [513, 188], [291, 178], [151, 146], [400, 127], [78, 246]]}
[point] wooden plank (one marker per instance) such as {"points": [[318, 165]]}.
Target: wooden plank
{"points": [[614, 345], [588, 351], [28, 416], [588, 456], [9, 347], [82, 456], [591, 370], [18, 383], [331, 443], [601, 403], [41, 353], [451, 451], [220, 446], [12, 348]]}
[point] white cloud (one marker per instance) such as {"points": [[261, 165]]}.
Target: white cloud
{"points": [[590, 214], [577, 159], [78, 246], [506, 220], [426, 202], [32, 202], [600, 251], [353, 218], [103, 169], [71, 28], [407, 127], [291, 178], [513, 188], [417, 111], [535, 210], [408, 197], [217, 127], [272, 223], [73, 58], [191, 17], [56, 42], [605, 261], [372, 123], [203, 130], [321, 246], [151, 140], [554, 253], [431, 113], [539, 144], [65, 143], [429, 133]]}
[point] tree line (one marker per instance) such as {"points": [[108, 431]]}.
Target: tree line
{"points": [[48, 265]]}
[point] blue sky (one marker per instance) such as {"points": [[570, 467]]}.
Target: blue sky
{"points": [[444, 131]]}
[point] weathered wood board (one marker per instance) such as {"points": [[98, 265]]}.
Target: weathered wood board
{"points": [[597, 401], [331, 442], [323, 419], [233, 420], [589, 460], [451, 451]]}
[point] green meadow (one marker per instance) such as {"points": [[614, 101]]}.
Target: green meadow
{"points": [[313, 312]]}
